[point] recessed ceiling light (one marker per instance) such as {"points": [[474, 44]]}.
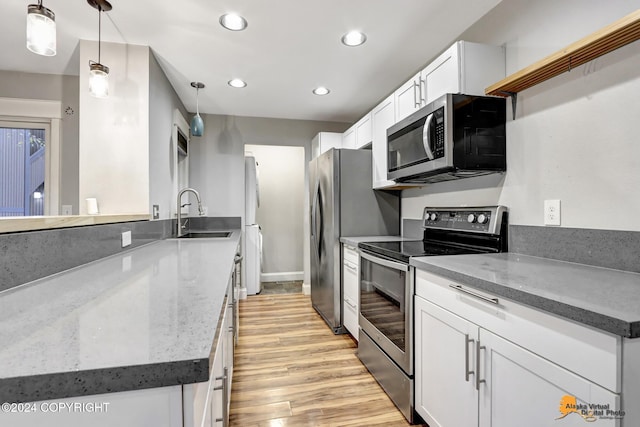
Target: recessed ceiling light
{"points": [[237, 83], [321, 90], [233, 22], [354, 38]]}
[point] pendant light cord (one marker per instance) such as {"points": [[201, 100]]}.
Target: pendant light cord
{"points": [[197, 101], [99, 30]]}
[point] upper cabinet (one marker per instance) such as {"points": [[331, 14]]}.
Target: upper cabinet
{"points": [[463, 68], [349, 138], [383, 117], [358, 135], [325, 141], [363, 131]]}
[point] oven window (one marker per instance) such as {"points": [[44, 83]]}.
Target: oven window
{"points": [[382, 300]]}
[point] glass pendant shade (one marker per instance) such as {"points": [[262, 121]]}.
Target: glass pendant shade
{"points": [[98, 80], [197, 125], [41, 30]]}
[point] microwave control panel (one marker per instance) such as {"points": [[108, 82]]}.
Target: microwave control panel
{"points": [[437, 133]]}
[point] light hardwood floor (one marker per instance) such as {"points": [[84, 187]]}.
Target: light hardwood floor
{"points": [[291, 370]]}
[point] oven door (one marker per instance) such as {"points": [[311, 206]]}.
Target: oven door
{"points": [[386, 307]]}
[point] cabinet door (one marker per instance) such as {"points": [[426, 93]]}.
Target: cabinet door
{"points": [[363, 131], [383, 117], [445, 393], [407, 98], [523, 389], [349, 138], [442, 75]]}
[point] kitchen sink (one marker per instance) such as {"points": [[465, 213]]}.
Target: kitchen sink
{"points": [[206, 234]]}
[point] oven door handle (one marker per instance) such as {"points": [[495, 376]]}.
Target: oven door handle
{"points": [[385, 262]]}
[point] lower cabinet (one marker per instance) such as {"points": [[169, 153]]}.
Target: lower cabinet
{"points": [[468, 375], [350, 289]]}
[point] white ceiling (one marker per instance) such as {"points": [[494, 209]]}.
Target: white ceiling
{"points": [[289, 47]]}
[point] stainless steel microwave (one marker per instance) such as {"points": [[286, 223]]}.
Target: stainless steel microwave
{"points": [[456, 136]]}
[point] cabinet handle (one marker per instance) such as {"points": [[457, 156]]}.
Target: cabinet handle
{"points": [[467, 372], [423, 83], [479, 348], [348, 301], [468, 292], [225, 417], [416, 97]]}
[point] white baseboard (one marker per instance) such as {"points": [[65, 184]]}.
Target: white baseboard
{"points": [[285, 276], [306, 288]]}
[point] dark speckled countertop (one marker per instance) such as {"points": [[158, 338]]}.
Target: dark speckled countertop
{"points": [[603, 298], [139, 319]]}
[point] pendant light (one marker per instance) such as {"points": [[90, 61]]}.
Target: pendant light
{"points": [[197, 125], [41, 30], [99, 73]]}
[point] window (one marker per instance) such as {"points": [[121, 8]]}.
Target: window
{"points": [[29, 157], [23, 168]]}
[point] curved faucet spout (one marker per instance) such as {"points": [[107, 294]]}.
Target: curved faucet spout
{"points": [[179, 205]]}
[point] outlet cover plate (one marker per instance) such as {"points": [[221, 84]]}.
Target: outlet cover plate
{"points": [[126, 238], [552, 212]]}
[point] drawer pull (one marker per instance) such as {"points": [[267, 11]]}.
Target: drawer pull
{"points": [[468, 292]]}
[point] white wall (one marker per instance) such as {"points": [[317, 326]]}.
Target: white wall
{"points": [[114, 132], [280, 215], [163, 101], [574, 137]]}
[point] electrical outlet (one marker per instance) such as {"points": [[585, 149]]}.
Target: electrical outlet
{"points": [[552, 212], [156, 211], [67, 209], [126, 238]]}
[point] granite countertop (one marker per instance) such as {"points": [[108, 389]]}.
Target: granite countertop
{"points": [[143, 318], [353, 241], [603, 298]]}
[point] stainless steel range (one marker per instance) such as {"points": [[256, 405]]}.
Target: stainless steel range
{"points": [[387, 289]]}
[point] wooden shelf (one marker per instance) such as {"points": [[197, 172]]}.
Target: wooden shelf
{"points": [[603, 41]]}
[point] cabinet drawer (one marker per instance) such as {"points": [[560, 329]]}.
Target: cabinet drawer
{"points": [[593, 354], [350, 311], [351, 254]]}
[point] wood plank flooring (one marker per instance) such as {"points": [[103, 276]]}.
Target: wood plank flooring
{"points": [[291, 370]]}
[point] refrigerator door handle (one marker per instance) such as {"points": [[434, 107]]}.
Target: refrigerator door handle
{"points": [[320, 235]]}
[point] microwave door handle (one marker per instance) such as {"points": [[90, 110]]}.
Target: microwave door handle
{"points": [[426, 138]]}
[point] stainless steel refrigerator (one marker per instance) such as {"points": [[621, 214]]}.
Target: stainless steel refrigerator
{"points": [[343, 204]]}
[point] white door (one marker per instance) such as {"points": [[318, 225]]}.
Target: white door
{"points": [[445, 393], [523, 389], [407, 98], [443, 74], [383, 117]]}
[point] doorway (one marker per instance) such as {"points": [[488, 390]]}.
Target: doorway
{"points": [[281, 212]]}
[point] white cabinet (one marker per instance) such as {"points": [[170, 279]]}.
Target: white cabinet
{"points": [[408, 97], [382, 117], [350, 289], [325, 141], [363, 131], [484, 364], [463, 68], [358, 135], [349, 138]]}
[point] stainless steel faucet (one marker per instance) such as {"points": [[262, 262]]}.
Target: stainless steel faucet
{"points": [[181, 227]]}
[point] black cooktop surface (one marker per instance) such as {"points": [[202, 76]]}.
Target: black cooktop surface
{"points": [[403, 250]]}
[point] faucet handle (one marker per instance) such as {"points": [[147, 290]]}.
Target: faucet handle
{"points": [[186, 204]]}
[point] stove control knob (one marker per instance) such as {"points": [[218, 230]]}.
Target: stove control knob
{"points": [[433, 216], [471, 218], [482, 219]]}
